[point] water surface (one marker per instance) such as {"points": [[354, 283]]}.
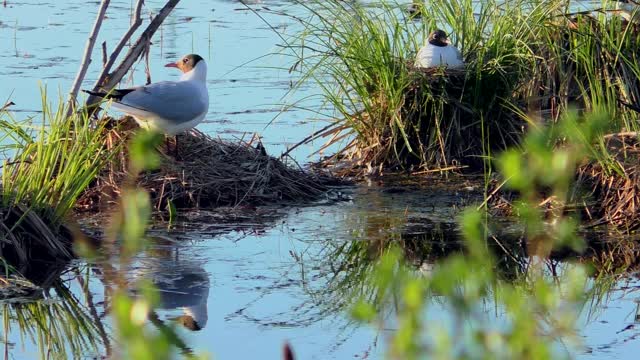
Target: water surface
{"points": [[263, 278]]}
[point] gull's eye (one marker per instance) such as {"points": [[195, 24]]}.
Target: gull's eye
{"points": [[185, 60]]}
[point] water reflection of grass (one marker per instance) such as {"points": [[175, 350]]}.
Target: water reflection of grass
{"points": [[59, 324], [348, 269]]}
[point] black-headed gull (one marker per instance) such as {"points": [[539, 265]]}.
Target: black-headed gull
{"points": [[438, 52], [169, 107]]}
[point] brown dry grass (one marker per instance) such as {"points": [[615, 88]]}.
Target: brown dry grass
{"points": [[206, 172]]}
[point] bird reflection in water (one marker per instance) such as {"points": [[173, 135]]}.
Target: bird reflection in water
{"points": [[181, 281]]}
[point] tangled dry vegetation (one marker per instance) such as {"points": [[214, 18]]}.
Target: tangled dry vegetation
{"points": [[604, 193], [615, 195], [203, 172], [27, 237]]}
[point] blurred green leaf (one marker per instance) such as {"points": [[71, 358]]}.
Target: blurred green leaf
{"points": [[136, 207], [363, 311], [142, 150]]}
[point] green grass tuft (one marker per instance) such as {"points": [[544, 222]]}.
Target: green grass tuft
{"points": [[525, 59], [50, 161]]}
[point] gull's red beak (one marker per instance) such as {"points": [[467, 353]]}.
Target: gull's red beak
{"points": [[173, 65]]}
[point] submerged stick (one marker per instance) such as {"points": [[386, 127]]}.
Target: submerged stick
{"points": [[86, 58], [108, 82]]}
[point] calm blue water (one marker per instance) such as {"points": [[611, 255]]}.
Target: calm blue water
{"points": [[42, 43], [259, 281]]}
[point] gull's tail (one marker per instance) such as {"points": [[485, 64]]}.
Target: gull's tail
{"points": [[116, 94]]}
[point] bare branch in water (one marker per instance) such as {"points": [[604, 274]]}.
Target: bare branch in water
{"points": [[104, 53], [86, 58], [136, 22], [108, 81]]}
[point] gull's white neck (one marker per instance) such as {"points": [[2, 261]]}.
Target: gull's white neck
{"points": [[197, 73]]}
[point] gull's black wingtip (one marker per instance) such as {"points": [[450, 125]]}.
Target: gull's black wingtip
{"points": [[94, 93], [115, 94]]}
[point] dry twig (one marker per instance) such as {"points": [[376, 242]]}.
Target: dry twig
{"points": [[86, 57]]}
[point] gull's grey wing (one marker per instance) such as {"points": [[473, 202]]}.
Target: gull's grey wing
{"points": [[178, 102]]}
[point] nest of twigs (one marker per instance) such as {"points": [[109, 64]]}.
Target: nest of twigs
{"points": [[199, 171]]}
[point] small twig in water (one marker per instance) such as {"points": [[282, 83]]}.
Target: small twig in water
{"points": [[104, 53]]}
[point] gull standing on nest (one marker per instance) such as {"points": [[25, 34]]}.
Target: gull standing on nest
{"points": [[438, 51], [169, 107]]}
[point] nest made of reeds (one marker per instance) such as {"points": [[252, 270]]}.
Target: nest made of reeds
{"points": [[442, 124], [199, 171]]}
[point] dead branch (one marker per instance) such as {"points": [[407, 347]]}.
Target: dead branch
{"points": [[137, 21], [108, 81], [104, 53], [86, 57]]}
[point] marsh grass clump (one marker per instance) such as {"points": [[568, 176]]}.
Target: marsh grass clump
{"points": [[48, 162], [204, 172], [396, 116], [521, 57]]}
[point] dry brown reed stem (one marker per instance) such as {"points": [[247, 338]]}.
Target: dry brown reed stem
{"points": [[207, 173], [86, 57]]}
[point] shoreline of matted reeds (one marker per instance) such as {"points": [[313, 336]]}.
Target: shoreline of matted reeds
{"points": [[58, 165]]}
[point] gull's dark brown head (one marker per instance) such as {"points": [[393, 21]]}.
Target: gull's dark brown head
{"points": [[187, 63], [438, 38], [188, 322]]}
